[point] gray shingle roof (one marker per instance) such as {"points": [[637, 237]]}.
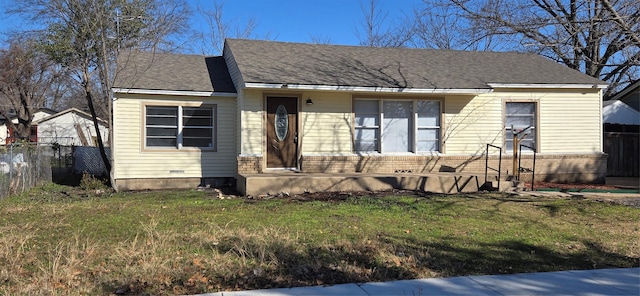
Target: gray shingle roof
{"points": [[315, 64], [166, 71]]}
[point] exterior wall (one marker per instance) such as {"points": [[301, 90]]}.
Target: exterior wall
{"points": [[568, 121], [568, 135], [251, 128], [62, 130], [326, 125], [133, 165], [550, 168], [4, 132]]}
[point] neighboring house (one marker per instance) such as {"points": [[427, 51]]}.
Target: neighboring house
{"points": [[71, 127], [7, 136], [616, 112], [630, 95], [267, 107]]}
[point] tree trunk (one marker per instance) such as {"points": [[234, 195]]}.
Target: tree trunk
{"points": [[94, 117]]}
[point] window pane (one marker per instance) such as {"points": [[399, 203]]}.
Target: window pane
{"points": [[366, 106], [514, 108], [428, 146], [428, 139], [396, 136], [161, 126], [196, 121], [520, 115], [520, 121], [157, 131], [366, 139], [171, 111], [428, 113], [197, 132], [164, 121], [161, 142], [367, 120], [197, 116], [202, 112], [366, 146]]}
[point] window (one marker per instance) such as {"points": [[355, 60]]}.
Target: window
{"points": [[520, 116], [367, 125], [428, 134], [401, 126], [178, 126]]}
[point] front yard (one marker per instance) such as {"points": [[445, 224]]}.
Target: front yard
{"points": [[59, 240]]}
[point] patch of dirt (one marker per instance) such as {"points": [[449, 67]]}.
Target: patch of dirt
{"points": [[571, 186]]}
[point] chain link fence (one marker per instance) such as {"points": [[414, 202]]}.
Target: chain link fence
{"points": [[23, 166]]}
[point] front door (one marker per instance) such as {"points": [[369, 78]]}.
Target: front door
{"points": [[282, 132]]}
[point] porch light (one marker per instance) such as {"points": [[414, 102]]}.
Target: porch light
{"points": [[309, 101]]}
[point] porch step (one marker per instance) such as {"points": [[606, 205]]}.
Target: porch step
{"points": [[504, 185], [297, 183]]}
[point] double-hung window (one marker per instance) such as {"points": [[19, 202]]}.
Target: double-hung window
{"points": [[520, 117], [180, 127], [390, 126]]}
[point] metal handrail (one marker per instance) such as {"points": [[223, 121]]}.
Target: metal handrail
{"points": [[533, 170], [486, 164]]}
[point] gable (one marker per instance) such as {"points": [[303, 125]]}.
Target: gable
{"points": [[316, 64]]}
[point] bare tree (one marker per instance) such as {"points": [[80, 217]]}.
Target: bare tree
{"points": [[220, 28], [596, 37], [321, 39], [439, 25], [26, 78], [377, 32], [86, 36]]}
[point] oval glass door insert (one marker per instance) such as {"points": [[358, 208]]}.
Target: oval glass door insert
{"points": [[282, 122]]}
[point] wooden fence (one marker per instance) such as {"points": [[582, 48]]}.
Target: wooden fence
{"points": [[624, 155]]}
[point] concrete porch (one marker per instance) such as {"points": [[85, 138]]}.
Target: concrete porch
{"points": [[297, 183]]}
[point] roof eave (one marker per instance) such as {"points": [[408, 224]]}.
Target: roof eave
{"points": [[548, 85], [173, 92], [349, 88]]}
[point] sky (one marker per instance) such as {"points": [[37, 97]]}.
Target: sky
{"points": [[300, 20], [285, 20]]}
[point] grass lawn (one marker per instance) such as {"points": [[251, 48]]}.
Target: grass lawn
{"points": [[60, 240]]}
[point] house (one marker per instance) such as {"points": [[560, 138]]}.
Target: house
{"points": [[630, 95], [6, 134], [616, 112], [268, 107], [71, 127]]}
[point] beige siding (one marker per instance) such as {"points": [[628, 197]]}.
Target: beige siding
{"points": [[251, 116], [326, 125], [470, 123], [568, 121], [133, 161]]}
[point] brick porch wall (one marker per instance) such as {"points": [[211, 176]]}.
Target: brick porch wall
{"points": [[551, 168], [249, 164]]}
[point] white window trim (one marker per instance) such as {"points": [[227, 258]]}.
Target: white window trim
{"points": [[414, 127], [508, 134]]}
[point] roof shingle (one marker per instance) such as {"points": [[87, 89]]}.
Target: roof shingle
{"points": [[166, 71], [336, 65]]}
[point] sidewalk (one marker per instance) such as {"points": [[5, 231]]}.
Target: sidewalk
{"points": [[621, 281]]}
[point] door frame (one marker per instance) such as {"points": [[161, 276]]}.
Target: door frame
{"points": [[297, 97]]}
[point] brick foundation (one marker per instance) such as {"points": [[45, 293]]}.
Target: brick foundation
{"points": [[249, 164], [589, 168]]}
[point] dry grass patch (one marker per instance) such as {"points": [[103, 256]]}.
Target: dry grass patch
{"points": [[186, 242]]}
